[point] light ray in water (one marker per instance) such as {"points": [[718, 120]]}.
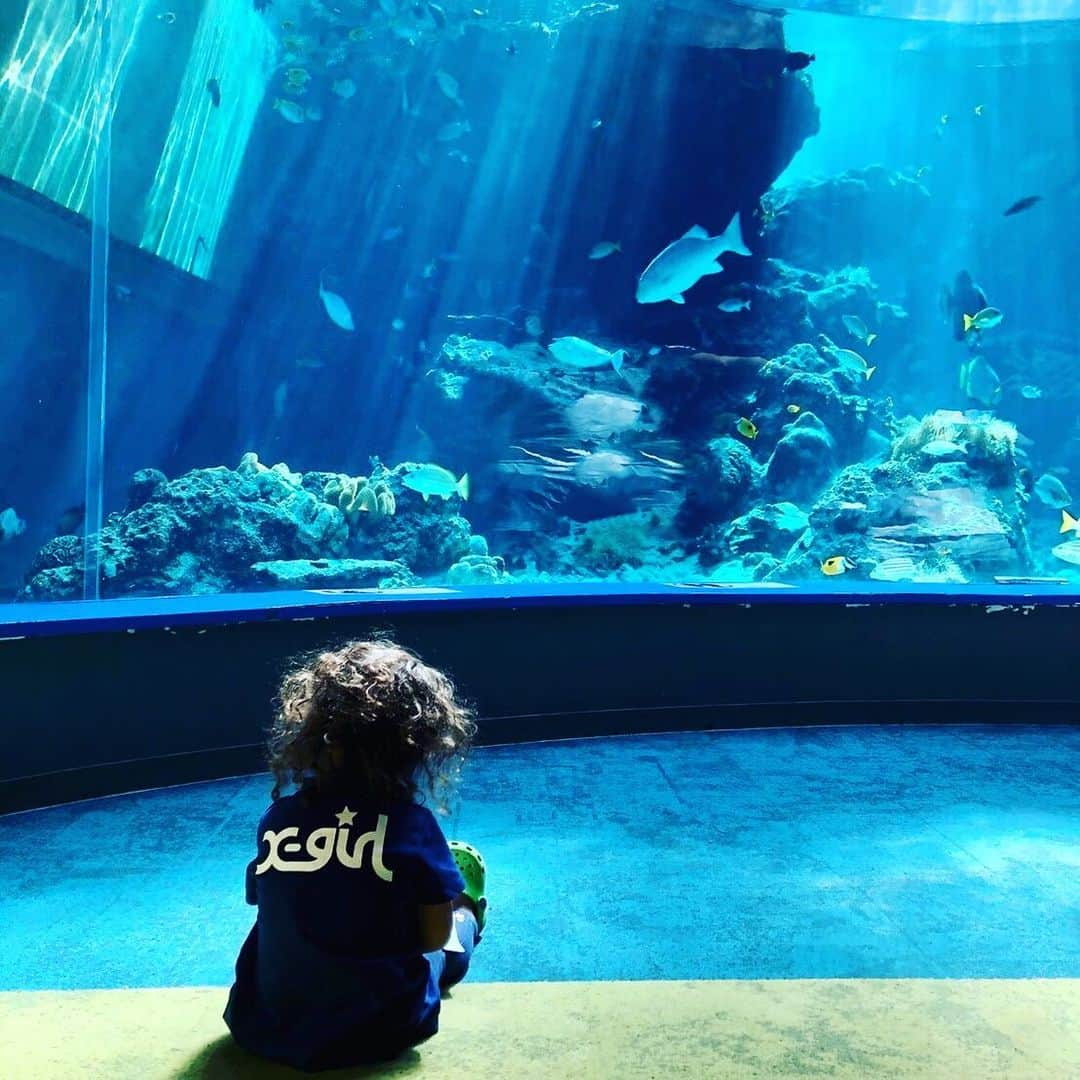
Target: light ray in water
{"points": [[205, 147]]}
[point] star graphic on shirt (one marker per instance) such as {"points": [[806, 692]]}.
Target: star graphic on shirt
{"points": [[346, 816]]}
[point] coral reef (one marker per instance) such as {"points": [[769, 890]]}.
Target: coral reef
{"points": [[255, 527]]}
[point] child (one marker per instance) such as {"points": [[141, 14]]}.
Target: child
{"points": [[357, 889]]}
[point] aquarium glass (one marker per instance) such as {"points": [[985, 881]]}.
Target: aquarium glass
{"points": [[53, 275], [382, 295]]}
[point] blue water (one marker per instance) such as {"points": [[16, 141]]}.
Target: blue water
{"points": [[346, 243], [829, 853]]}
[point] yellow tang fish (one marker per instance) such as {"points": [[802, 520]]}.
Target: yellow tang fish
{"points": [[869, 371], [838, 564], [1069, 523], [794, 409], [746, 428]]}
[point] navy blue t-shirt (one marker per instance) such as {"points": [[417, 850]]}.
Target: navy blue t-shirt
{"points": [[332, 972]]}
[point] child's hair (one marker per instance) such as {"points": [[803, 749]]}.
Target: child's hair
{"points": [[370, 711]]}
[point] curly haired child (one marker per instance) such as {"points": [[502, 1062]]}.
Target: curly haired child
{"points": [[365, 913]]}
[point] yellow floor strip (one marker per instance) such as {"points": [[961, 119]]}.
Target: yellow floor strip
{"points": [[866, 1028]]}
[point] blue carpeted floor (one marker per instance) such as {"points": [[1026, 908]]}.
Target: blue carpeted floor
{"points": [[870, 852]]}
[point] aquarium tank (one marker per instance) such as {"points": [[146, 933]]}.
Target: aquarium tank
{"points": [[388, 294]]}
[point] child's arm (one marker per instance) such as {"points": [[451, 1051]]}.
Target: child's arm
{"points": [[436, 921]]}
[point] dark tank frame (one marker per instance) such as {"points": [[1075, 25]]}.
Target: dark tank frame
{"points": [[119, 695]]}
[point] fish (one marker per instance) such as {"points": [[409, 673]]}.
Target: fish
{"points": [[599, 416], [344, 88], [746, 428], [857, 329], [944, 119], [11, 525], [604, 249], [986, 319], [868, 372], [453, 130], [398, 325], [794, 409], [289, 110], [683, 263], [1051, 491], [1069, 523], [533, 326], [836, 564], [796, 61], [393, 233], [979, 381], [438, 15], [428, 480], [734, 305], [297, 76], [978, 110], [429, 270], [449, 86], [511, 49], [964, 296], [850, 361], [1032, 393], [336, 308], [1026, 203], [655, 350], [169, 17], [575, 352], [666, 462], [214, 89], [596, 124], [1068, 552]]}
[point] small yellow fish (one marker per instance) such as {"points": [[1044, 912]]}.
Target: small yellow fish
{"points": [[837, 564], [794, 409], [868, 372], [746, 428], [921, 171], [978, 110], [1069, 523], [944, 119]]}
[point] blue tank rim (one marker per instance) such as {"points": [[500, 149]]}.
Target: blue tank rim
{"points": [[51, 618]]}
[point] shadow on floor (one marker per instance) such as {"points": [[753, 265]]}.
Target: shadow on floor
{"points": [[224, 1060]]}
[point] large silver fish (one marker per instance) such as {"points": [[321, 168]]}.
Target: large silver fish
{"points": [[681, 265]]}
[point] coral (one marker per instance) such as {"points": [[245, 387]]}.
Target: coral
{"points": [[145, 485], [720, 481], [478, 545], [986, 443], [333, 573], [360, 498], [605, 545], [198, 533], [477, 570], [802, 461]]}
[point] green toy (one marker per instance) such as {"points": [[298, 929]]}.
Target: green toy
{"points": [[471, 864]]}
